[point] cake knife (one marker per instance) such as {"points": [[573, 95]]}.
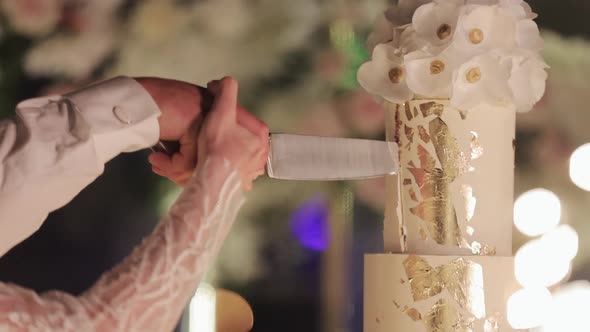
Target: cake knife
{"points": [[315, 158]]}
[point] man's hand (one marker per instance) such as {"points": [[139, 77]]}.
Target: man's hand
{"points": [[182, 106], [234, 134]]}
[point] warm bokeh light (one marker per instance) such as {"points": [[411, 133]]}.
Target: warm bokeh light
{"points": [[528, 307], [580, 167], [536, 212], [569, 310], [536, 265], [202, 310], [561, 242]]}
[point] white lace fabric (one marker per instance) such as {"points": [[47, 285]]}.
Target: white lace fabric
{"points": [[150, 288]]}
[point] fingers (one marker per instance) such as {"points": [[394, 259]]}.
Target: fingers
{"points": [[252, 123], [177, 169], [160, 160], [225, 103]]}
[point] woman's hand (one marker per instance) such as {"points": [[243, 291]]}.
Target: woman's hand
{"points": [[234, 134]]}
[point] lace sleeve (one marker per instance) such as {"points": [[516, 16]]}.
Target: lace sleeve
{"points": [[150, 288]]}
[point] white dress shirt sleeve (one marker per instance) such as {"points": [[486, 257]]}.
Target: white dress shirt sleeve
{"points": [[56, 146]]}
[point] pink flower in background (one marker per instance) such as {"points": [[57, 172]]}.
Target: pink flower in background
{"points": [[32, 17], [363, 113], [321, 120]]}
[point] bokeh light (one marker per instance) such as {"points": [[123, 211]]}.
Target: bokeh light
{"points": [[561, 242], [202, 310], [310, 223], [580, 167], [536, 212], [569, 310], [528, 307], [535, 265]]}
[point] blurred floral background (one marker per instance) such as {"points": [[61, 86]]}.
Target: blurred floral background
{"points": [[296, 250]]}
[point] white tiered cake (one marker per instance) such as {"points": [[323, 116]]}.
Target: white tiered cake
{"points": [[454, 209], [448, 264]]}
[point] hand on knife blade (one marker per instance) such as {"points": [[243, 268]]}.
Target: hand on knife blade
{"points": [[298, 157]]}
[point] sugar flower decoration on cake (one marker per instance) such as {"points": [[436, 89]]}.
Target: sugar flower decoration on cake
{"points": [[469, 51]]}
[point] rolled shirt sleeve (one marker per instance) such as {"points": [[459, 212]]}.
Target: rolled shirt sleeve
{"points": [[55, 146]]}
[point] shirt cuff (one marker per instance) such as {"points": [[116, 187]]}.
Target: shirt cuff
{"points": [[122, 116]]}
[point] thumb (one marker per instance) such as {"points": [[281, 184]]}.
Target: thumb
{"points": [[224, 109]]}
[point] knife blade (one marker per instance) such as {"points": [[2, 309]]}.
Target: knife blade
{"points": [[298, 157], [316, 158]]}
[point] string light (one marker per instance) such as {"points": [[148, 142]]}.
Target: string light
{"points": [[536, 212]]}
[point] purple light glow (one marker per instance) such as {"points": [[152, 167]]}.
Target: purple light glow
{"points": [[309, 223]]}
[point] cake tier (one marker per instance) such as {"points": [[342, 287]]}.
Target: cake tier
{"points": [[455, 186], [411, 293]]}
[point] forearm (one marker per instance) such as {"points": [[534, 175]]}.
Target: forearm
{"points": [[149, 289]]}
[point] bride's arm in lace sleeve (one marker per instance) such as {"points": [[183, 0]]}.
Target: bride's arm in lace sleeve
{"points": [[149, 289]]}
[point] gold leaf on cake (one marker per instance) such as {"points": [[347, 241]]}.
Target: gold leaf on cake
{"points": [[423, 134], [427, 162], [452, 160], [476, 148], [408, 112], [409, 131], [431, 108], [462, 279], [443, 317], [492, 323], [422, 233], [413, 195], [436, 209], [463, 115]]}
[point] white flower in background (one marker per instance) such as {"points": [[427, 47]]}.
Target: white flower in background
{"points": [[69, 56], [32, 17], [385, 75], [527, 78], [482, 80], [435, 22], [431, 76]]}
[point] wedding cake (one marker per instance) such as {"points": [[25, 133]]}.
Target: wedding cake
{"points": [[452, 74]]}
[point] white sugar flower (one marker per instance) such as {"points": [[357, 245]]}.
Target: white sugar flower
{"points": [[482, 80], [481, 29], [435, 22], [519, 8], [527, 78], [385, 75], [431, 76]]}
